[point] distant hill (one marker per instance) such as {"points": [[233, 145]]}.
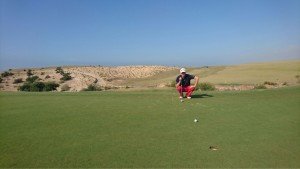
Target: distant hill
{"points": [[280, 72]]}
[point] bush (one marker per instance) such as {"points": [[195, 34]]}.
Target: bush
{"points": [[19, 80], [66, 76], [1, 80], [59, 70], [38, 86], [270, 83], [42, 73], [5, 74], [47, 77], [92, 87], [50, 86], [32, 79], [29, 72], [285, 83], [205, 86], [25, 87], [65, 87], [260, 86]]}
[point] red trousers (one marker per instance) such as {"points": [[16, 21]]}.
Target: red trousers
{"points": [[188, 89]]}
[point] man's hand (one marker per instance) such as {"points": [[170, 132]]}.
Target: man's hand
{"points": [[196, 81]]}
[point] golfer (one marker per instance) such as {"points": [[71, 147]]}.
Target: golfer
{"points": [[183, 83]]}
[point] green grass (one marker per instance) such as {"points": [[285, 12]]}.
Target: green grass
{"points": [[258, 128]]}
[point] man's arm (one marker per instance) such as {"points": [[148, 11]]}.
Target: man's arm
{"points": [[179, 82], [196, 81]]}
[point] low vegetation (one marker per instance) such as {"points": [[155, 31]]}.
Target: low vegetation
{"points": [[260, 86], [66, 76], [92, 87], [1, 80], [6, 74], [38, 86], [29, 72], [270, 83], [206, 86], [32, 79]]}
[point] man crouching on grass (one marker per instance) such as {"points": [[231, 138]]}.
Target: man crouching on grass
{"points": [[183, 83]]}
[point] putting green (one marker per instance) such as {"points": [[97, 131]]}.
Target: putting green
{"points": [[258, 128]]}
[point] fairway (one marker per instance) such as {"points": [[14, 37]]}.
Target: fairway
{"points": [[258, 128]]}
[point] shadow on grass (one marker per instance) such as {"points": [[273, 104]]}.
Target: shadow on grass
{"points": [[202, 96]]}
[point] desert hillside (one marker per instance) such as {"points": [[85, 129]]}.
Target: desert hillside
{"points": [[236, 77], [82, 76]]}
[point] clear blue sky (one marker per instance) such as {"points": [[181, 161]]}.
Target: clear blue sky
{"points": [[37, 33]]}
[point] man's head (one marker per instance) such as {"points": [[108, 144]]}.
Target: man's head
{"points": [[182, 71]]}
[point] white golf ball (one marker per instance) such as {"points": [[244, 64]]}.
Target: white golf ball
{"points": [[195, 120]]}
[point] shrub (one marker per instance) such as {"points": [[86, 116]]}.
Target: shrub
{"points": [[260, 86], [5, 74], [65, 87], [37, 87], [1, 80], [270, 83], [32, 79], [50, 86], [42, 73], [285, 83], [92, 87], [59, 70], [25, 87], [47, 77], [66, 76], [29, 72], [19, 80], [205, 86]]}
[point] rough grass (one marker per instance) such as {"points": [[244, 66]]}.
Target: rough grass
{"points": [[255, 73], [258, 128]]}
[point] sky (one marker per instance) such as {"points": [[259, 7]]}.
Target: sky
{"points": [[40, 33]]}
